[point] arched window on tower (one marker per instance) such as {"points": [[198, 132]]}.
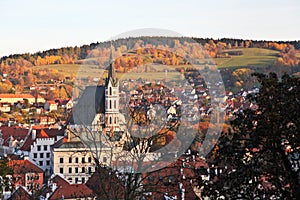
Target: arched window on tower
{"points": [[110, 120], [109, 104], [115, 120], [110, 90], [115, 104]]}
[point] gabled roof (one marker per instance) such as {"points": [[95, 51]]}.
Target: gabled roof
{"points": [[24, 166], [60, 182], [20, 194], [72, 191]]}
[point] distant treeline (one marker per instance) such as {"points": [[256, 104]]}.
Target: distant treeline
{"points": [[17, 72], [78, 53]]}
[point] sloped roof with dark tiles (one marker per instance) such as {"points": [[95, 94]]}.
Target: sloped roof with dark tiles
{"points": [[91, 102], [20, 194]]}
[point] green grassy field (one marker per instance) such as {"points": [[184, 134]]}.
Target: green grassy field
{"points": [[74, 69], [251, 57], [151, 76], [255, 57]]}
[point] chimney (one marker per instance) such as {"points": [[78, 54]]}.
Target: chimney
{"points": [[33, 134]]}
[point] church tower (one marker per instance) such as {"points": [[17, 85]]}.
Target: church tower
{"points": [[112, 99]]}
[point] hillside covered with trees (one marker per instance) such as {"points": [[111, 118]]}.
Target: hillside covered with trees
{"points": [[20, 71]]}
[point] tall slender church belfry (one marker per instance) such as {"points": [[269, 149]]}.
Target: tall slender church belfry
{"points": [[112, 99]]}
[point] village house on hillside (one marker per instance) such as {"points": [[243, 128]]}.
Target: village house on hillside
{"points": [[36, 143], [27, 174], [15, 98], [50, 106]]}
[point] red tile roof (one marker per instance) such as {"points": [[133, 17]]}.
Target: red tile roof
{"points": [[20, 194], [41, 133], [24, 166], [23, 96], [60, 182], [106, 184], [17, 133], [72, 191], [51, 102]]}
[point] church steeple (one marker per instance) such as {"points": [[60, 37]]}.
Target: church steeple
{"points": [[112, 98], [111, 71]]}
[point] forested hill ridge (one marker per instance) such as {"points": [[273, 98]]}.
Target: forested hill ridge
{"points": [[69, 55], [20, 71]]}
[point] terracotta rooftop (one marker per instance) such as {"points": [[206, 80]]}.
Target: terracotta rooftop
{"points": [[20, 194], [41, 133], [51, 102], [24, 166], [60, 182], [15, 132], [106, 184], [72, 191], [24, 96]]}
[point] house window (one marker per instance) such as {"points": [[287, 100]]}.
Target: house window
{"points": [[70, 180], [45, 147], [41, 155], [90, 170], [104, 159], [38, 147], [61, 160], [89, 159], [48, 155], [70, 159], [83, 159], [83, 170], [18, 178], [82, 180], [70, 170], [41, 163], [48, 162], [76, 170], [61, 170], [76, 180], [35, 155], [37, 177], [76, 160]]}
